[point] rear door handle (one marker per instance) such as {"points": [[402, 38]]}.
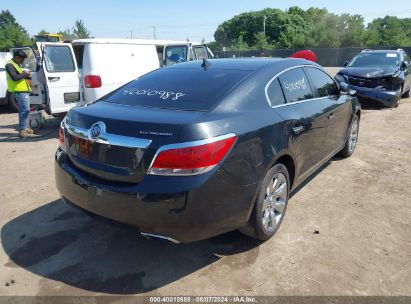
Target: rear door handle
{"points": [[331, 116], [53, 79]]}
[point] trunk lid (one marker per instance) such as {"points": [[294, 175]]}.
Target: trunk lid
{"points": [[127, 141]]}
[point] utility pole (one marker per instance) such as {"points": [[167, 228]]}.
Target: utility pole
{"points": [[155, 35], [131, 34], [265, 19]]}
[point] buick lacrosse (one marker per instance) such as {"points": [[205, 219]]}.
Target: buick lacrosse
{"points": [[197, 149]]}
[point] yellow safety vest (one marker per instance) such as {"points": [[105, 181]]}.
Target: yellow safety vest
{"points": [[19, 85]]}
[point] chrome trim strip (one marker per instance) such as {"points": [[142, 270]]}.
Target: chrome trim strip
{"points": [[297, 102], [110, 139], [150, 235], [185, 145], [286, 70]]}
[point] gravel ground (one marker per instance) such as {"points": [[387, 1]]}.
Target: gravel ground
{"points": [[361, 207]]}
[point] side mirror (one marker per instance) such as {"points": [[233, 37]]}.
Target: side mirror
{"points": [[346, 63], [404, 65], [344, 87]]}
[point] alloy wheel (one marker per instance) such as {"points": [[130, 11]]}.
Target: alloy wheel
{"points": [[353, 136], [275, 202]]}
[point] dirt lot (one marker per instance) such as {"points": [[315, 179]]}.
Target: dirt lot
{"points": [[361, 207]]}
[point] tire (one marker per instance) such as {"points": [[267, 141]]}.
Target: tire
{"points": [[406, 94], [12, 102], [270, 205], [352, 138]]}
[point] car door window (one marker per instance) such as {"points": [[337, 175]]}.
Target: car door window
{"points": [[295, 85], [323, 84], [200, 52], [58, 59], [275, 93], [176, 54]]}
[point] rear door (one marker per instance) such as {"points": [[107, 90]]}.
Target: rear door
{"points": [[62, 76], [305, 118], [338, 110]]}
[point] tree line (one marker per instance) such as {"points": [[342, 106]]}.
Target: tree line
{"points": [[311, 28], [12, 34]]}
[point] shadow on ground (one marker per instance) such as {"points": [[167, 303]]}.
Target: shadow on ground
{"points": [[9, 133], [62, 243]]}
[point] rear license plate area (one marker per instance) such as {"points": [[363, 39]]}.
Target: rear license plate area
{"points": [[71, 97]]}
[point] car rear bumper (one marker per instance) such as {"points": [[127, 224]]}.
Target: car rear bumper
{"points": [[386, 98], [213, 205]]}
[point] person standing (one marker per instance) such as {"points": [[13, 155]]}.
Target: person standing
{"points": [[18, 85]]}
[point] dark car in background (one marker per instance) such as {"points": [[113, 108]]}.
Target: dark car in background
{"points": [[381, 76], [195, 150]]}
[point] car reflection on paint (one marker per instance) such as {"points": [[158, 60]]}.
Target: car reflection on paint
{"points": [[195, 150]]}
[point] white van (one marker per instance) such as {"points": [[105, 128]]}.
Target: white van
{"points": [[4, 98], [87, 69]]}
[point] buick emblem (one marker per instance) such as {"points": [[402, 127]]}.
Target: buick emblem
{"points": [[97, 130]]}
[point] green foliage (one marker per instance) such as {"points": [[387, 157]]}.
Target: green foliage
{"points": [[80, 31], [240, 44], [261, 42], [43, 32], [311, 28], [390, 31], [67, 34], [11, 33]]}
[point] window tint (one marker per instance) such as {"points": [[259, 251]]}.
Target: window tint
{"points": [[58, 59], [323, 84], [275, 94], [295, 85], [178, 88]]}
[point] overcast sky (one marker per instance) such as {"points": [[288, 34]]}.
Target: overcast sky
{"points": [[177, 19]]}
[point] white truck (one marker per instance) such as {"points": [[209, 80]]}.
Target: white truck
{"points": [[4, 96], [86, 69]]}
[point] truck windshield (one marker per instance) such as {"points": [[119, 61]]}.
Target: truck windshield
{"points": [[178, 88], [375, 60]]}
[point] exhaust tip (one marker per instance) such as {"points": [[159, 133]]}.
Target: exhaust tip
{"points": [[161, 237]]}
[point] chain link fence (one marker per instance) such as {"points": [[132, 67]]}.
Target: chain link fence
{"points": [[329, 57]]}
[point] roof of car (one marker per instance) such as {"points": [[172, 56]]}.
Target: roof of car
{"points": [[245, 64], [382, 51]]}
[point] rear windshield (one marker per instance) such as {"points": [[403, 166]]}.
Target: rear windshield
{"points": [[178, 88]]}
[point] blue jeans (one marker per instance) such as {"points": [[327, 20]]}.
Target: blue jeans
{"points": [[23, 102]]}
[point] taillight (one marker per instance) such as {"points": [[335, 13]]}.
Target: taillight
{"points": [[62, 139], [92, 81], [191, 158]]}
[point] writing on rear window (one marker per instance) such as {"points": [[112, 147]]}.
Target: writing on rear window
{"points": [[157, 93], [299, 84]]}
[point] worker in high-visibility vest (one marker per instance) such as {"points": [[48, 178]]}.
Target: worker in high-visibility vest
{"points": [[17, 83]]}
